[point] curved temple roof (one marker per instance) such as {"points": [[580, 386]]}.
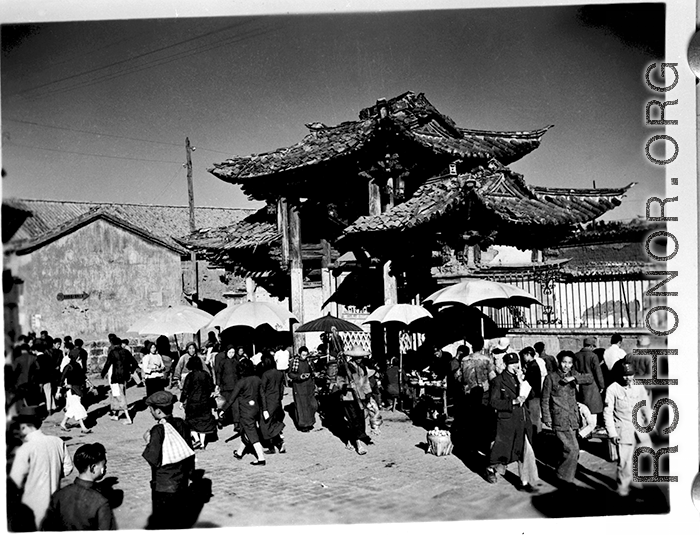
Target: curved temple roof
{"points": [[419, 121], [501, 191]]}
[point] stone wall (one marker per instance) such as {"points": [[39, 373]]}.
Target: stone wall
{"points": [[94, 281]]}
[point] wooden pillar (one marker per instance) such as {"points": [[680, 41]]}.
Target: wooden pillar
{"points": [[390, 288], [326, 277], [390, 197], [375, 198], [250, 289], [283, 227], [296, 271]]}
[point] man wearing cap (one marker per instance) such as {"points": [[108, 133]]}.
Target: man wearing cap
{"points": [[39, 464], [513, 425], [641, 364], [560, 412], [170, 454], [620, 400], [587, 362]]}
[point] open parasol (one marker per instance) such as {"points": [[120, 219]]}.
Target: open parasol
{"points": [[324, 324], [254, 314], [404, 314], [171, 321], [482, 293]]}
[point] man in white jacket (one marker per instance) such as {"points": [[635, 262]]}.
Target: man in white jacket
{"points": [[620, 399]]}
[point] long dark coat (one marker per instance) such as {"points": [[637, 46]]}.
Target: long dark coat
{"points": [[196, 394], [271, 392], [305, 404], [513, 422], [586, 362], [247, 394]]}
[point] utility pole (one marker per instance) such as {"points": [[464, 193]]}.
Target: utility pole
{"points": [[190, 195]]}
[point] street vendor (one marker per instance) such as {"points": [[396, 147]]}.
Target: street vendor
{"points": [[354, 389], [440, 363]]}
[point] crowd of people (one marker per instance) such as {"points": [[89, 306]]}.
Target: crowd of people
{"points": [[501, 401], [504, 399]]}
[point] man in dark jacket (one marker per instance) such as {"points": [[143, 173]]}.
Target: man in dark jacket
{"points": [[25, 370], [560, 412], [586, 361], [79, 506], [122, 364], [513, 427], [169, 452]]}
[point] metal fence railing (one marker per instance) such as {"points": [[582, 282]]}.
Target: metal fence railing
{"points": [[619, 304]]}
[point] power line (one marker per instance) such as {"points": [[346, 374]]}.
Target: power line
{"points": [[199, 147], [96, 69], [92, 154], [155, 63], [110, 135], [93, 133]]}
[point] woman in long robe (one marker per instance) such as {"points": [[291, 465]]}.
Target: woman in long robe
{"points": [[303, 388], [247, 394], [271, 393], [196, 396]]}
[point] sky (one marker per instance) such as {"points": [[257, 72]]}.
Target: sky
{"points": [[99, 110]]}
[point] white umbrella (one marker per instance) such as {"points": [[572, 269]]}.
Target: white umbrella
{"points": [[171, 321], [483, 293], [253, 314], [402, 313], [480, 292]]}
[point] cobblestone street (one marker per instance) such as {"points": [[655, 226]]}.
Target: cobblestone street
{"points": [[319, 482]]}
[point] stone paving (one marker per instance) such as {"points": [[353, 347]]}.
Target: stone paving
{"points": [[320, 482]]}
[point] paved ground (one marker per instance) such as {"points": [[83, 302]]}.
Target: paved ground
{"points": [[318, 481]]}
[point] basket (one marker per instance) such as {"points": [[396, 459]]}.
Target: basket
{"points": [[440, 445]]}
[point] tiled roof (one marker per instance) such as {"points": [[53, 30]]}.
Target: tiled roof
{"points": [[163, 223], [502, 192], [257, 229], [416, 118], [585, 254], [634, 269]]}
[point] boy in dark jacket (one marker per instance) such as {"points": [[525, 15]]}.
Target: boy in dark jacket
{"points": [[169, 452]]}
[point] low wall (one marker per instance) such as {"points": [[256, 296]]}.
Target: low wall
{"points": [[560, 340]]}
